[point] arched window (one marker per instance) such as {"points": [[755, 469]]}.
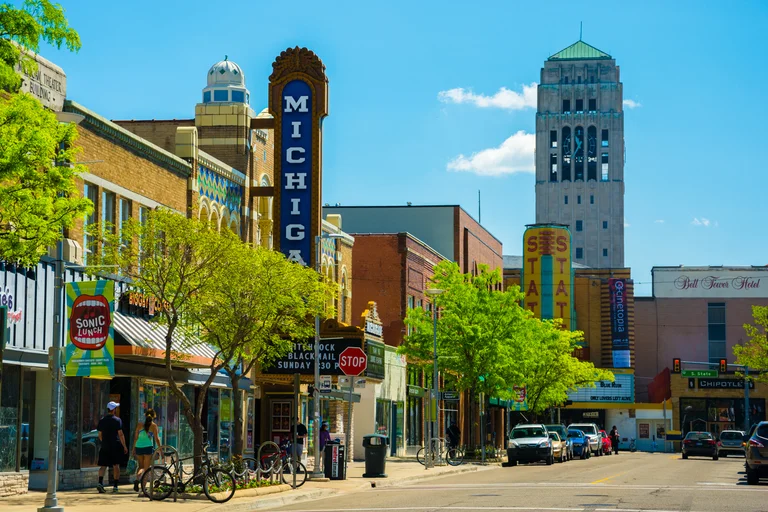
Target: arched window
{"points": [[566, 174], [578, 153], [344, 295], [592, 153]]}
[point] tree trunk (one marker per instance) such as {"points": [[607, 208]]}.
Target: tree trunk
{"points": [[237, 423]]}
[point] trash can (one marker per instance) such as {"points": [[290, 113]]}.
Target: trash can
{"points": [[375, 455], [335, 461]]}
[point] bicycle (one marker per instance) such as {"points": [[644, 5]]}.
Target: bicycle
{"points": [[273, 462], [440, 453], [158, 482]]}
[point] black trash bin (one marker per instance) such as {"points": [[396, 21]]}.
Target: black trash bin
{"points": [[375, 455], [335, 461]]}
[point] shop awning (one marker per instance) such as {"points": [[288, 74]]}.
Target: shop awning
{"points": [[148, 340]]}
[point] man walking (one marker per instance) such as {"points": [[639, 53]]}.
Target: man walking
{"points": [[301, 433], [614, 435], [113, 447]]}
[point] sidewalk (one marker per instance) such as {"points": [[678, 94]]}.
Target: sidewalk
{"points": [[399, 471]]}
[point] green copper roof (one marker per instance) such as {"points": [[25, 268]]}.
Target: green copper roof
{"points": [[579, 51]]}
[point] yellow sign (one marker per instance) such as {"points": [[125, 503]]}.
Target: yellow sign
{"points": [[547, 279]]}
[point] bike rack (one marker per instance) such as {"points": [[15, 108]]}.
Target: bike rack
{"points": [[272, 470]]}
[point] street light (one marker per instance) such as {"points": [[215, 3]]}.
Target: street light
{"points": [[316, 472], [433, 292]]}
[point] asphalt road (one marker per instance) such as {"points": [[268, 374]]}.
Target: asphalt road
{"points": [[627, 482]]}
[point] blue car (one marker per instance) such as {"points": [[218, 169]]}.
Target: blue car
{"points": [[580, 443]]}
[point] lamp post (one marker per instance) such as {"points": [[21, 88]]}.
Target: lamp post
{"points": [[433, 292], [316, 472]]}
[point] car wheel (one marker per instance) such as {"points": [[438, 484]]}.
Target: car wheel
{"points": [[752, 477], [513, 463], [685, 455]]}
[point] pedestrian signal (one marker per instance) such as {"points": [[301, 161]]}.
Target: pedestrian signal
{"points": [[676, 366], [723, 366]]}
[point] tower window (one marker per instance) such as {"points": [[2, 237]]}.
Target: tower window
{"points": [[591, 199], [593, 105], [604, 172], [579, 105], [579, 225], [605, 253], [553, 167], [579, 253], [220, 95], [553, 138], [566, 199], [578, 199], [565, 79], [578, 153], [566, 106], [265, 155], [566, 169], [238, 96], [579, 79], [592, 153], [605, 224], [605, 139], [207, 97]]}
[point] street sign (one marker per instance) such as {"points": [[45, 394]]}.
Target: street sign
{"points": [[353, 361], [325, 383], [345, 382], [699, 373], [450, 395]]}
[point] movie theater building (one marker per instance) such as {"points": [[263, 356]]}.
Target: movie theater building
{"points": [[697, 314]]}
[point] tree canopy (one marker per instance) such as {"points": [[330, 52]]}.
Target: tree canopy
{"points": [[754, 353]]}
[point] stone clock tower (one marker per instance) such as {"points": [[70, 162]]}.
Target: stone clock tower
{"points": [[580, 152]]}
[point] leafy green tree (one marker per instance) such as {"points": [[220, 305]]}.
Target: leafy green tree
{"points": [[754, 353], [260, 306], [22, 30], [549, 368], [179, 261]]}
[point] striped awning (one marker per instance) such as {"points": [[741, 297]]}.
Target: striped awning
{"points": [[144, 334]]}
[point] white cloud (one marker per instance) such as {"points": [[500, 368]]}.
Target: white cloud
{"points": [[632, 104], [703, 221], [504, 98], [513, 155], [659, 221]]}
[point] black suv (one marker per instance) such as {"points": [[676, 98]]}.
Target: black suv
{"points": [[757, 454]]}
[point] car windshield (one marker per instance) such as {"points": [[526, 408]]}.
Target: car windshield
{"points": [[588, 429], [554, 436], [575, 433], [732, 436], [519, 433], [698, 436], [556, 428]]}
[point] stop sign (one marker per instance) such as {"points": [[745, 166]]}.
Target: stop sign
{"points": [[353, 361]]}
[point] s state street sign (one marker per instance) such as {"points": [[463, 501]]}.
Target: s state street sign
{"points": [[353, 361]]}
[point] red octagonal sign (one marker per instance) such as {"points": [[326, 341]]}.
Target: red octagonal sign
{"points": [[353, 361]]}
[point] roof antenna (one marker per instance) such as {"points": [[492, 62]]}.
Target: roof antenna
{"points": [[581, 28], [226, 57]]}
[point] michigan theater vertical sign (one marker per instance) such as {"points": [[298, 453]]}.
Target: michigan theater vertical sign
{"points": [[298, 101]]}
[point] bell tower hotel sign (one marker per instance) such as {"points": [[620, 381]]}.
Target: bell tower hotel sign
{"points": [[298, 101], [710, 282]]}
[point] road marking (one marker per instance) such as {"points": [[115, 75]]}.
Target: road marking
{"points": [[607, 478], [564, 485], [531, 509]]}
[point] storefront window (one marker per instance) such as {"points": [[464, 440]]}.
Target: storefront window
{"points": [[27, 412], [250, 421], [9, 417], [225, 421], [72, 422], [383, 409], [95, 396], [172, 424], [212, 423], [325, 415], [186, 436], [399, 417]]}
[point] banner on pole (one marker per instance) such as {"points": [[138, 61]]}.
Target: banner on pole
{"points": [[90, 350]]}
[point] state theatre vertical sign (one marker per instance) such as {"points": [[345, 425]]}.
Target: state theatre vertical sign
{"points": [[547, 277], [298, 100]]}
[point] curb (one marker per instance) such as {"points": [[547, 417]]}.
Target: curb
{"points": [[420, 478]]}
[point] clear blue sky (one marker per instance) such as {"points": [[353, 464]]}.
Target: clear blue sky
{"points": [[695, 144]]}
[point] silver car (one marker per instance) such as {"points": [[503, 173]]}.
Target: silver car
{"points": [[731, 443], [593, 433]]}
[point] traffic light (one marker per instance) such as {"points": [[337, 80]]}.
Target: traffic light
{"points": [[676, 365], [723, 366]]}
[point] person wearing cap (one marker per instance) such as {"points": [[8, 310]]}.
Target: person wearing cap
{"points": [[113, 448]]}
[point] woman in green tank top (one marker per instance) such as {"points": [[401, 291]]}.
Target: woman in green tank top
{"points": [[145, 440]]}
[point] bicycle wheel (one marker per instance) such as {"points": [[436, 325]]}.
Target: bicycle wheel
{"points": [[157, 483], [301, 473], [454, 456], [219, 486]]}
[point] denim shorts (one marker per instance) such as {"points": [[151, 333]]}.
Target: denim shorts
{"points": [[145, 451]]}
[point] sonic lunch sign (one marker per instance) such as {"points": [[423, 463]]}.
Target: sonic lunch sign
{"points": [[710, 282]]}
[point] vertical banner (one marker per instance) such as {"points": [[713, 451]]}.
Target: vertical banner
{"points": [[298, 101], [547, 277], [619, 325], [520, 403], [90, 350]]}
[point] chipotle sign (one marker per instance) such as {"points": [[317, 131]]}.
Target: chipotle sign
{"points": [[709, 282]]}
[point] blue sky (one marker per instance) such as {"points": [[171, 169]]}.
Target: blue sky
{"points": [[695, 144]]}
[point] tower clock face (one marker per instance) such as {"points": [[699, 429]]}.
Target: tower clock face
{"points": [[578, 138]]}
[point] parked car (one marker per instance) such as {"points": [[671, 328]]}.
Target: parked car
{"points": [[607, 444], [757, 454], [591, 431], [731, 443], [699, 443], [563, 433], [580, 443], [529, 443], [559, 448]]}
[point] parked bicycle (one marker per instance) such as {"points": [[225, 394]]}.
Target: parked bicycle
{"points": [[441, 453], [160, 480], [276, 460]]}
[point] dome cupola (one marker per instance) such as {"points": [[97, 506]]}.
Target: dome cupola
{"points": [[226, 84]]}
